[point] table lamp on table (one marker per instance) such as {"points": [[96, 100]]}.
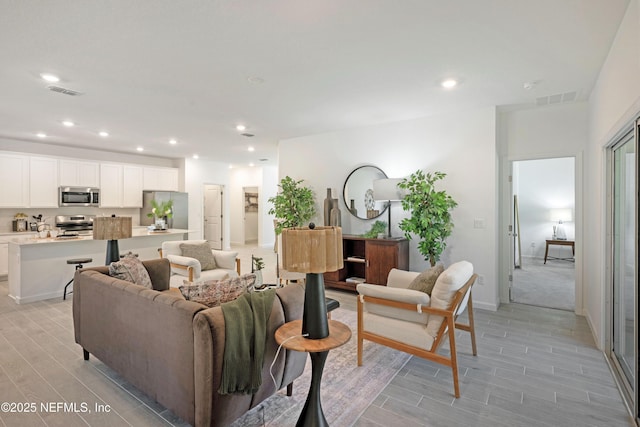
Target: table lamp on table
{"points": [[560, 215], [387, 190], [112, 228], [313, 250]]}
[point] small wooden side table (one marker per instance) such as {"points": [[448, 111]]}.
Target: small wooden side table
{"points": [[339, 334], [559, 243]]}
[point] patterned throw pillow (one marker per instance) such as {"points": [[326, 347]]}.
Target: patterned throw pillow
{"points": [[426, 280], [212, 293], [201, 252], [131, 269]]}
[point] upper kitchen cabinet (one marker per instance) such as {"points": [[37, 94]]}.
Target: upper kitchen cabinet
{"points": [[74, 173], [43, 185], [14, 174], [160, 179], [121, 186]]}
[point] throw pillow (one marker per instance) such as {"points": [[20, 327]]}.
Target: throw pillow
{"points": [[131, 269], [212, 293], [426, 280], [201, 252]]}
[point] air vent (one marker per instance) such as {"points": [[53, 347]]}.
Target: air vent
{"points": [[559, 98], [64, 90], [248, 135]]}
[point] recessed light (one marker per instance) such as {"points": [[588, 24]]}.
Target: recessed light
{"points": [[68, 123], [251, 149], [41, 135], [195, 156], [251, 165], [230, 166], [140, 149], [241, 127], [449, 83], [50, 77], [255, 80], [103, 134], [173, 142]]}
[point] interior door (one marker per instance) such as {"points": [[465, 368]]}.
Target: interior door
{"points": [[213, 215]]}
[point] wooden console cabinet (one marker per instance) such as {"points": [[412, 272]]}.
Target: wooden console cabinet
{"points": [[368, 259]]}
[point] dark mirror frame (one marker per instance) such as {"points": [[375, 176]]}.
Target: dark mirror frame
{"points": [[359, 206]]}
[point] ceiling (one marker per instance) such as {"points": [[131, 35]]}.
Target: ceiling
{"points": [[152, 70]]}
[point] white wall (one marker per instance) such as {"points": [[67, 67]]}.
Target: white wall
{"points": [[198, 173], [614, 102], [542, 185], [461, 145]]}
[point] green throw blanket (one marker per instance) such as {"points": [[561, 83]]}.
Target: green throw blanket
{"points": [[245, 321]]}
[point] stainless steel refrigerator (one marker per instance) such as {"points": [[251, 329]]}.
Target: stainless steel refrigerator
{"points": [[180, 217]]}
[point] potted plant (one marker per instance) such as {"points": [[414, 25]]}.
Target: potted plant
{"points": [[257, 264], [430, 212], [293, 206], [160, 212]]}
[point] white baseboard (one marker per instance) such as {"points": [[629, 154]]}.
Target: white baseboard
{"points": [[485, 306]]}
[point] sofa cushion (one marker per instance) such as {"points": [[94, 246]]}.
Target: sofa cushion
{"points": [[212, 293], [447, 284], [225, 259], [426, 280], [201, 252], [131, 269]]}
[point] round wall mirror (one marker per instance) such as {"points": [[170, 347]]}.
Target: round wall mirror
{"points": [[358, 193]]}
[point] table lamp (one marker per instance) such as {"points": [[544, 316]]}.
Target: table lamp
{"points": [[560, 215], [313, 250], [387, 190], [112, 228]]}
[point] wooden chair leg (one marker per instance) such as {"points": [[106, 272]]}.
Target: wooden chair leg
{"points": [[454, 358], [360, 308], [472, 327]]}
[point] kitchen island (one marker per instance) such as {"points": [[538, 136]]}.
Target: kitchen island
{"points": [[38, 267]]}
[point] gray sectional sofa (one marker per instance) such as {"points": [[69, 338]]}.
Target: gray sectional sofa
{"points": [[172, 349]]}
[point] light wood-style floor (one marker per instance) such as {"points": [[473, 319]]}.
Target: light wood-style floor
{"points": [[535, 367]]}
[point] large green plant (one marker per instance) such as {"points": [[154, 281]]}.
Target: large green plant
{"points": [[293, 206], [430, 212]]}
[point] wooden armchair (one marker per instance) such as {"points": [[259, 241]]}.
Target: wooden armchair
{"points": [[413, 322]]}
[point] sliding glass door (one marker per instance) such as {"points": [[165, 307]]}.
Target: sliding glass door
{"points": [[624, 261]]}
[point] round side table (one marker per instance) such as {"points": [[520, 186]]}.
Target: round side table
{"points": [[339, 334]]}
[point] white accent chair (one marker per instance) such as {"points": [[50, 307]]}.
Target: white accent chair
{"points": [[186, 268], [411, 321]]}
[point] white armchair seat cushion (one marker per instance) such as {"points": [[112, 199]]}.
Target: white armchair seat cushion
{"points": [[185, 261], [448, 283], [411, 333], [177, 280], [409, 296]]}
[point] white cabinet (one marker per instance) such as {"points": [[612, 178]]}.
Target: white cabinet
{"points": [[121, 186], [132, 186], [74, 173], [160, 179], [14, 176], [4, 259], [43, 182]]}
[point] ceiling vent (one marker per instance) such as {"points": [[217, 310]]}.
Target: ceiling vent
{"points": [[248, 135], [64, 90], [560, 98]]}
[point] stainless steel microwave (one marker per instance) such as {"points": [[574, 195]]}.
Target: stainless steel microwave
{"points": [[78, 196]]}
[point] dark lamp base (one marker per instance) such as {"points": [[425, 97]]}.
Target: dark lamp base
{"points": [[113, 253], [314, 318]]}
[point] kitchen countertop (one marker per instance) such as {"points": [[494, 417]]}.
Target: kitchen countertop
{"points": [[26, 238]]}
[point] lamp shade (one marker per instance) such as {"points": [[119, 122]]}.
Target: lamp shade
{"points": [[387, 189], [317, 250], [563, 215], [112, 227]]}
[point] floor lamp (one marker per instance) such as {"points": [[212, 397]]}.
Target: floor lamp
{"points": [[387, 190], [111, 228]]}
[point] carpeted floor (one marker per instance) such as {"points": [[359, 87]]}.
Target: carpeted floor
{"points": [[546, 285], [347, 390]]}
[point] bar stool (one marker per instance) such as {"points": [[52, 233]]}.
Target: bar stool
{"points": [[78, 262]]}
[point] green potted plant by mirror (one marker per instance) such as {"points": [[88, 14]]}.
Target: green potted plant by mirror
{"points": [[160, 212], [293, 206], [430, 211], [257, 264]]}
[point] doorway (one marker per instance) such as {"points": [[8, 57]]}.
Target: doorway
{"points": [[212, 215], [543, 245], [250, 197]]}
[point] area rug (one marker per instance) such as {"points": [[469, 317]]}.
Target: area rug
{"points": [[346, 390]]}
